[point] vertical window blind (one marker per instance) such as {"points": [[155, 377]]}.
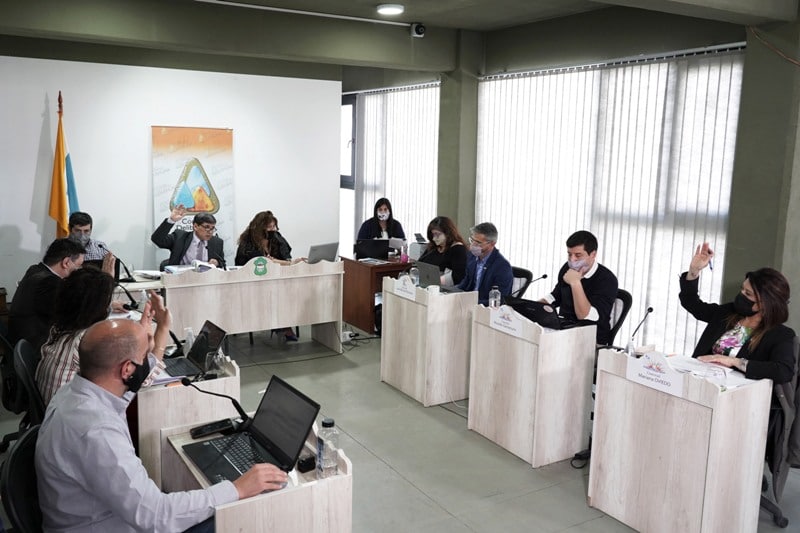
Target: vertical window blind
{"points": [[640, 154], [397, 154]]}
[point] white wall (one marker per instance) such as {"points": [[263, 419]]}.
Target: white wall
{"points": [[285, 146]]}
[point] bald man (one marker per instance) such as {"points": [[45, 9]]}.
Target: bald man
{"points": [[89, 476]]}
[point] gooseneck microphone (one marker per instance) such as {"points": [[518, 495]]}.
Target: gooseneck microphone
{"points": [[543, 276], [133, 305], [629, 349], [129, 278], [186, 382]]}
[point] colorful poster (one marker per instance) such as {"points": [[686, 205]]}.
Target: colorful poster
{"points": [[193, 167]]}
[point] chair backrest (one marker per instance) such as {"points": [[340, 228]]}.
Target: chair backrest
{"points": [[18, 484], [522, 280], [26, 358], [622, 304], [13, 395]]}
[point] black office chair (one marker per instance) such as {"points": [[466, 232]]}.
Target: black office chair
{"points": [[14, 397], [18, 485], [622, 305], [780, 456], [26, 358], [522, 280]]}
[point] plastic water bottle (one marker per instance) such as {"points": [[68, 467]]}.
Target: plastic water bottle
{"points": [[414, 274], [188, 334], [142, 299], [327, 444], [494, 297]]}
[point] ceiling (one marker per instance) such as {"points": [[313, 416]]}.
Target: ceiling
{"points": [[488, 15]]}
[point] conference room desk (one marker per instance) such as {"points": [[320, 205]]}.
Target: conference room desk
{"points": [[665, 463], [361, 282], [425, 342], [313, 506], [245, 300], [530, 387], [161, 406]]}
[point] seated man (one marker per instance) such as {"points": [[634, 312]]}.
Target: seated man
{"points": [[186, 246], [31, 313], [486, 266], [80, 230], [89, 477], [586, 290]]}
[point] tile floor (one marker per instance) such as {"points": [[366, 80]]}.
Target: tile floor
{"points": [[421, 470]]}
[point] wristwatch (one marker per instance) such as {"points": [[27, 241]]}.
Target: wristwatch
{"points": [[743, 366]]}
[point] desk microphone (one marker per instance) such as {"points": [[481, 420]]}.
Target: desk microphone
{"points": [[186, 382], [129, 278], [629, 349], [134, 305], [212, 255], [543, 276]]}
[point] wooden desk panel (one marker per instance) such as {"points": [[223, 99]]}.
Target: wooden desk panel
{"points": [[361, 282], [664, 463], [531, 394]]}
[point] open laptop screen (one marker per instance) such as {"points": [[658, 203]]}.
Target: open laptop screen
{"points": [[209, 339]]}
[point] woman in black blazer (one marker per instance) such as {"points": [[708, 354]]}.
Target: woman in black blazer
{"points": [[747, 334], [382, 225]]}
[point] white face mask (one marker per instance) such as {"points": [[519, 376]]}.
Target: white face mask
{"points": [[383, 215], [439, 240], [577, 265], [476, 250]]}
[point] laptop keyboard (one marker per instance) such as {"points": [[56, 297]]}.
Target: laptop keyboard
{"points": [[239, 450], [180, 367]]}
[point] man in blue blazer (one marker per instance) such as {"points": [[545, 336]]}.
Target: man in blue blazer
{"points": [[186, 246], [486, 267]]}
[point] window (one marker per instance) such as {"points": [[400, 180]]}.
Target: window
{"points": [[641, 154]]}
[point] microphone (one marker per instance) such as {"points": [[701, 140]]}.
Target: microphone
{"points": [[629, 349], [178, 346], [543, 276], [130, 278], [212, 255], [186, 382], [130, 306]]}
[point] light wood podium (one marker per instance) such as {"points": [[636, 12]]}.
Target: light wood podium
{"points": [[664, 463], [531, 393], [425, 343], [173, 404], [313, 506]]}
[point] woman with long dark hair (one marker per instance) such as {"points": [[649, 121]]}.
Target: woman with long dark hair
{"points": [[262, 238], [447, 250], [747, 334], [382, 225]]}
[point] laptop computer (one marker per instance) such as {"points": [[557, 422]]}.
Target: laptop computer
{"points": [[323, 252], [374, 248], [209, 339], [431, 275], [543, 314], [275, 435]]}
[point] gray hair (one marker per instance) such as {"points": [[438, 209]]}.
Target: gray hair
{"points": [[486, 229]]}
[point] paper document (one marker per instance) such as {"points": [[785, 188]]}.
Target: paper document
{"points": [[148, 274], [725, 377]]}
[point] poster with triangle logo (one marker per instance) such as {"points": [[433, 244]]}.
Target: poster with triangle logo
{"points": [[193, 167]]}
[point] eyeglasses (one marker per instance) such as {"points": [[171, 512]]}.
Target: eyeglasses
{"points": [[209, 229], [479, 243]]}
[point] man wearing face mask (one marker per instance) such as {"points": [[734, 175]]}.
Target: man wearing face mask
{"points": [[31, 312], [80, 230], [89, 477], [486, 266], [185, 246], [586, 290]]}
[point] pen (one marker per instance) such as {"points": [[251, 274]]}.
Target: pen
{"points": [[710, 265]]}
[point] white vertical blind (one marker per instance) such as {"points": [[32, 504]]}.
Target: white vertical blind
{"points": [[640, 154], [397, 154]]}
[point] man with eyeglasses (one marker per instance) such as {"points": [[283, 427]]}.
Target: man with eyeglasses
{"points": [[486, 266], [186, 246], [31, 311]]}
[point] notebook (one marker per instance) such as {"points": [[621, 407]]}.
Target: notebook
{"points": [[323, 252], [275, 435], [208, 340]]}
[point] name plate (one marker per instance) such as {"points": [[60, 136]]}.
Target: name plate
{"points": [[652, 370], [506, 320], [403, 286]]}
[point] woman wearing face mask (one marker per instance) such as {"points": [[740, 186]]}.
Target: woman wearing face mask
{"points": [[447, 250], [262, 239], [747, 334], [382, 225]]}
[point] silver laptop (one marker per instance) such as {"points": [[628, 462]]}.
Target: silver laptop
{"points": [[323, 252]]}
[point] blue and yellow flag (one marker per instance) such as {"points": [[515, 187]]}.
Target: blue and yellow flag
{"points": [[63, 194]]}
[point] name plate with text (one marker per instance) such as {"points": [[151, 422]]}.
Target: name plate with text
{"points": [[506, 320], [403, 286], [652, 370]]}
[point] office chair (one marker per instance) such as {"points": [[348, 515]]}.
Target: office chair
{"points": [[14, 397], [26, 358], [622, 305], [780, 455], [18, 485], [522, 280]]}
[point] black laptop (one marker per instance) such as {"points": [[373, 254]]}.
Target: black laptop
{"points": [[543, 314], [208, 340], [275, 435], [374, 248]]}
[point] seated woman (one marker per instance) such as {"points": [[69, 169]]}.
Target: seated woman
{"points": [[83, 299], [263, 239], [382, 225], [447, 250], [747, 334]]}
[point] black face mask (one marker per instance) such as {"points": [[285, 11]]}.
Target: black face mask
{"points": [[135, 380], [270, 234], [743, 306]]}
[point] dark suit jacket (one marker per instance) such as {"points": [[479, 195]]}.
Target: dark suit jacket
{"points": [[772, 358], [31, 313], [178, 242], [371, 229], [496, 271]]}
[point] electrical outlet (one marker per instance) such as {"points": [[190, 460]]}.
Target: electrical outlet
{"points": [[346, 336]]}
